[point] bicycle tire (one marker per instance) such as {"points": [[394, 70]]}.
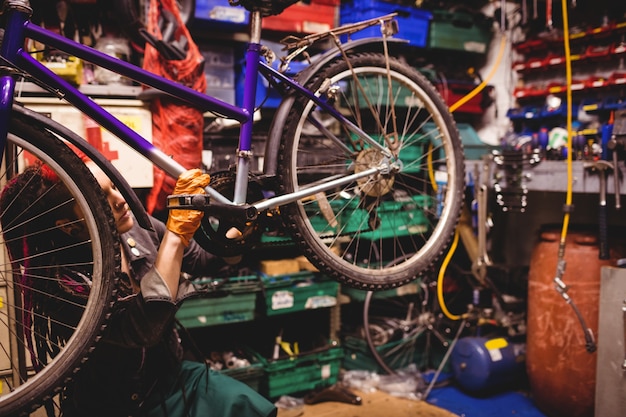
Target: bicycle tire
{"points": [[408, 213], [24, 390], [394, 329]]}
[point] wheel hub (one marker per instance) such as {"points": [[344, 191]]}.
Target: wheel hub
{"points": [[378, 184]]}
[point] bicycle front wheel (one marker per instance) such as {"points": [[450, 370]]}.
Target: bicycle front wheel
{"points": [[50, 317], [395, 205]]}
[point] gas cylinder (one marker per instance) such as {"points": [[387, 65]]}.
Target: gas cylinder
{"points": [[561, 370], [482, 364]]}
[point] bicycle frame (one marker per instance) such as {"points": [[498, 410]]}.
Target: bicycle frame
{"points": [[20, 28]]}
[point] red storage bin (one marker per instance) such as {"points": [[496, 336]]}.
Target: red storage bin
{"points": [[453, 92], [303, 18]]}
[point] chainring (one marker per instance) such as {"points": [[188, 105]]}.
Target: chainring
{"points": [[222, 237]]}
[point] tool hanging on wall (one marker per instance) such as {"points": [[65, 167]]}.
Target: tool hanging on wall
{"points": [[602, 168], [549, 21], [617, 145]]}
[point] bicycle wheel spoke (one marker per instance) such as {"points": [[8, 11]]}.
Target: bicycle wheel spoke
{"points": [[56, 288], [406, 199]]}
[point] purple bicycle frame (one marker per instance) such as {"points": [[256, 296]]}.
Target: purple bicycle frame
{"points": [[20, 28]]}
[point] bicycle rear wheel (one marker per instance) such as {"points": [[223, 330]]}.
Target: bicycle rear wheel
{"points": [[384, 229], [399, 329], [49, 322]]}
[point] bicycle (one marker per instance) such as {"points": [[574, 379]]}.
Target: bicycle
{"points": [[363, 162], [399, 326]]}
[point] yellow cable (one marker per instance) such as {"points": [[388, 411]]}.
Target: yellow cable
{"points": [[482, 85], [455, 241], [431, 171], [568, 77], [442, 272]]}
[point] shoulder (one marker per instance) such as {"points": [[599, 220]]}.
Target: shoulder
{"points": [[144, 239]]}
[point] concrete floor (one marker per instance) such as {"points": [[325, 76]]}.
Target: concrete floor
{"points": [[376, 404]]}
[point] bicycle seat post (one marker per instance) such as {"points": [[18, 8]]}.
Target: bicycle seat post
{"points": [[244, 153]]}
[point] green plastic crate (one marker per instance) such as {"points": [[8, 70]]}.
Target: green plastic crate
{"points": [[460, 31], [302, 373], [378, 88], [250, 375], [397, 218], [411, 151], [359, 357], [230, 301], [359, 295], [473, 147], [305, 290]]}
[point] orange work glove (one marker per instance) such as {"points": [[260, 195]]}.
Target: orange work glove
{"points": [[184, 223]]}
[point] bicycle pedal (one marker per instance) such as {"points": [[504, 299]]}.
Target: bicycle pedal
{"points": [[188, 202]]}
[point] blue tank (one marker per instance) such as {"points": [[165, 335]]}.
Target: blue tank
{"points": [[481, 364]]}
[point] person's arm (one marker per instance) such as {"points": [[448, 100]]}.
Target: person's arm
{"points": [[197, 261], [169, 261], [142, 318], [181, 226]]}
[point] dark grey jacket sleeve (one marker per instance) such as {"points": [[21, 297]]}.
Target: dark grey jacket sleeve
{"points": [[141, 319], [196, 261]]}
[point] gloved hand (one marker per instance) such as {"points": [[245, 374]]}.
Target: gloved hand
{"points": [[184, 223]]}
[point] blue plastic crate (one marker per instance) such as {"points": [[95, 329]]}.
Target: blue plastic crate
{"points": [[266, 96], [220, 14], [413, 24], [273, 96]]}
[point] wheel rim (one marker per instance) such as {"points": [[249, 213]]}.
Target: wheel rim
{"points": [[353, 213], [30, 378]]}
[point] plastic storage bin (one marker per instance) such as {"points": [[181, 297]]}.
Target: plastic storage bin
{"points": [[303, 18], [273, 97], [425, 354], [251, 375], [397, 218], [359, 295], [460, 31], [266, 96], [454, 91], [219, 71], [230, 301], [359, 357], [219, 14], [301, 373], [296, 292], [413, 24], [473, 147]]}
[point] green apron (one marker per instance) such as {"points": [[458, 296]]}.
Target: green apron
{"points": [[201, 391]]}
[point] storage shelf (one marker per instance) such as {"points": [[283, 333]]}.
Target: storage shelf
{"points": [[553, 61], [589, 34], [551, 176]]}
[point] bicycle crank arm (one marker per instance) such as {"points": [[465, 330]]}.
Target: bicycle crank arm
{"points": [[238, 214]]}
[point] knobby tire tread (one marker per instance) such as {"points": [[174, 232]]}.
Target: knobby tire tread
{"points": [[290, 213], [24, 127]]}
